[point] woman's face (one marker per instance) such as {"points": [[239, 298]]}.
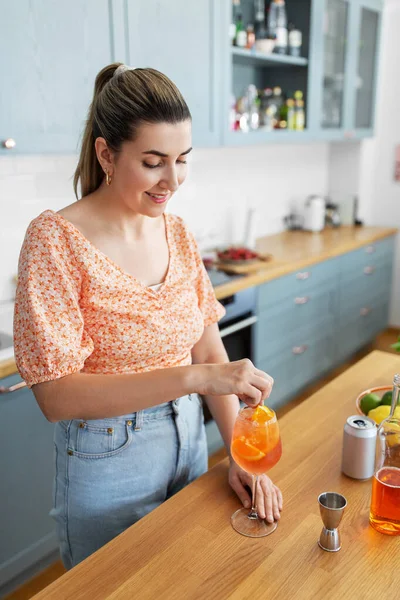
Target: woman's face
{"points": [[149, 170]]}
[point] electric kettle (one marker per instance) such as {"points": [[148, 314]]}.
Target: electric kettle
{"points": [[314, 213]]}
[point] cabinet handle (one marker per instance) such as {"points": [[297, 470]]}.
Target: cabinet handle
{"points": [[365, 311], [370, 249], [299, 349], [303, 275], [369, 270], [12, 388], [301, 299], [9, 143]]}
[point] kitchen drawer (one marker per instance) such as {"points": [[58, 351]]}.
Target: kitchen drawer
{"points": [[366, 284], [299, 363], [280, 323], [298, 283], [360, 325], [369, 255]]}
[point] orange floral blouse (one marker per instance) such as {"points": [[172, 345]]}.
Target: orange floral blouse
{"points": [[76, 310]]}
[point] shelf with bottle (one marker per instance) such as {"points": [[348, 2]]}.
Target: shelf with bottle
{"points": [[268, 37], [267, 110]]}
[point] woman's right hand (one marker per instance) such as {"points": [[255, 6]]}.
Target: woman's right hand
{"points": [[240, 377]]}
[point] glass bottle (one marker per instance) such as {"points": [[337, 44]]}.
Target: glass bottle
{"points": [[384, 513], [277, 25]]}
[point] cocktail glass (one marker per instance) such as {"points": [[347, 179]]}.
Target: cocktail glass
{"points": [[256, 447]]}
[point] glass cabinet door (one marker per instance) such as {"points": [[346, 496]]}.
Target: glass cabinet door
{"points": [[366, 68], [336, 18]]}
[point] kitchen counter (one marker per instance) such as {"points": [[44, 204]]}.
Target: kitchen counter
{"points": [[187, 548], [291, 250]]}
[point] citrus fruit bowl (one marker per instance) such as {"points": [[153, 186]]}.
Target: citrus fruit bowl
{"points": [[379, 391]]}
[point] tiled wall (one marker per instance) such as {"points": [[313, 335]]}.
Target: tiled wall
{"points": [[221, 185]]}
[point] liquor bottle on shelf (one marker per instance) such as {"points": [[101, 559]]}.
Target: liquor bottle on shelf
{"points": [[277, 25], [295, 40], [251, 37], [277, 100], [291, 114], [241, 34], [259, 17], [299, 111]]}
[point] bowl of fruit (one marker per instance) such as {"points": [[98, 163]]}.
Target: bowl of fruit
{"points": [[375, 403], [238, 255]]}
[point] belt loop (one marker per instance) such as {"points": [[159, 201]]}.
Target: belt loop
{"points": [[139, 420], [190, 397]]}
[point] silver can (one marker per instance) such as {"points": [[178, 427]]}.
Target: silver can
{"points": [[359, 441]]}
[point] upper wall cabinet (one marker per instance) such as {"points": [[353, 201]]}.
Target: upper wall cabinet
{"points": [[51, 53], [345, 59], [182, 39], [334, 73], [368, 22]]}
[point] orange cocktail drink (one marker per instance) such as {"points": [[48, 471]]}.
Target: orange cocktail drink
{"points": [[256, 443], [256, 447]]}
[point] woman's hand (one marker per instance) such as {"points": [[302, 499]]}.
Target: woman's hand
{"points": [[268, 497], [240, 377]]}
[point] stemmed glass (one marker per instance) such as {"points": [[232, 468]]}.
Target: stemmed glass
{"points": [[256, 447]]}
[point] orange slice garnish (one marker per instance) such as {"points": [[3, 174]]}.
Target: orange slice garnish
{"points": [[262, 414], [246, 450]]}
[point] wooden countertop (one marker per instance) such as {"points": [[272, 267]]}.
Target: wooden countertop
{"points": [[187, 548], [291, 250]]}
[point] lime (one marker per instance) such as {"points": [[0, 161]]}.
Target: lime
{"points": [[369, 402], [379, 413], [387, 398]]}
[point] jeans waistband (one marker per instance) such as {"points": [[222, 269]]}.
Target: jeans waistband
{"points": [[159, 411]]}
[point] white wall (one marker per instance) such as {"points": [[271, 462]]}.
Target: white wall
{"points": [[222, 183]]}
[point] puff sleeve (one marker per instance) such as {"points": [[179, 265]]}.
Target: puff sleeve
{"points": [[49, 334]]}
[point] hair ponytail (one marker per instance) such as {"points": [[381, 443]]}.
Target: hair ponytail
{"points": [[122, 103]]}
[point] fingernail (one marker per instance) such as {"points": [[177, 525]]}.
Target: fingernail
{"points": [[270, 519], [246, 504]]}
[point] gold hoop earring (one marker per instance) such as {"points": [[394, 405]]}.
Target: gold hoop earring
{"points": [[108, 178]]}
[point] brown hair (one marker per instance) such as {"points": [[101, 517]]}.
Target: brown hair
{"points": [[122, 103]]}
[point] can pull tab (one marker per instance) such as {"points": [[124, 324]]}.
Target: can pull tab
{"points": [[360, 423]]}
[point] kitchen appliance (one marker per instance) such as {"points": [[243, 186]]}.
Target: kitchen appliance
{"points": [[332, 215], [314, 213], [236, 329]]}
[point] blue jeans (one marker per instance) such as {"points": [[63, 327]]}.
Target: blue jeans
{"points": [[112, 472]]}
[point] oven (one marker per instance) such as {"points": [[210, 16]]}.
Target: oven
{"points": [[237, 331], [236, 326]]}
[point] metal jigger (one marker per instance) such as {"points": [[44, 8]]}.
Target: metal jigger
{"points": [[331, 507]]}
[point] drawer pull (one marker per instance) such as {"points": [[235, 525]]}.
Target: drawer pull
{"points": [[12, 388], [299, 349], [303, 275], [369, 270], [301, 299], [365, 311], [370, 249]]}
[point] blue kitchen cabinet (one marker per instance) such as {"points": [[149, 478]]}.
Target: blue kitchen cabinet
{"points": [[316, 317], [343, 68], [51, 53], [337, 70], [183, 40], [368, 25], [27, 535]]}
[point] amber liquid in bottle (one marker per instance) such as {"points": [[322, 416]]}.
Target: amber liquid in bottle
{"points": [[385, 501]]}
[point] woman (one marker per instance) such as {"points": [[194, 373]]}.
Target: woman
{"points": [[116, 324]]}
